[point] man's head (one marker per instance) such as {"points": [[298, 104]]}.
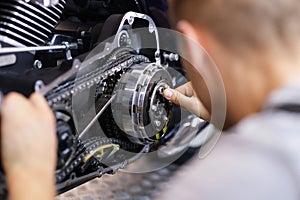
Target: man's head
{"points": [[255, 45]]}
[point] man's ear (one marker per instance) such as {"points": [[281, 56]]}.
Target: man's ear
{"points": [[193, 32], [195, 43]]}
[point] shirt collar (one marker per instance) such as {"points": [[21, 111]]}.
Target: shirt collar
{"points": [[289, 94]]}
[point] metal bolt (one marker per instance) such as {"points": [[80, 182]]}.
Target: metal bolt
{"points": [[171, 57], [157, 54], [174, 57], [38, 64], [154, 108], [161, 90], [157, 123], [166, 118], [38, 85]]}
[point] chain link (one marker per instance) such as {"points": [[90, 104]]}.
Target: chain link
{"points": [[92, 78], [63, 93]]}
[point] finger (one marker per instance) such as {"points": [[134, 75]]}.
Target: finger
{"points": [[186, 89], [14, 109], [178, 98], [191, 104], [39, 101], [13, 102]]}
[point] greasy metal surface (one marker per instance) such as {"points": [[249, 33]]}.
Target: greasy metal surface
{"points": [[123, 186]]}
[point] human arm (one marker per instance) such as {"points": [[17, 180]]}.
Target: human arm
{"points": [[28, 147]]}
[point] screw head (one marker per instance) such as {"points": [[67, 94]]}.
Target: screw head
{"points": [[154, 108], [38, 64], [157, 123]]}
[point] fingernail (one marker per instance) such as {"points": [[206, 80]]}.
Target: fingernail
{"points": [[168, 94]]}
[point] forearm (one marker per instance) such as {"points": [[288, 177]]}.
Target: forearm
{"points": [[23, 185]]}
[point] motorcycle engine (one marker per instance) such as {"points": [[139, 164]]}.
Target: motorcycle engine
{"points": [[106, 94]]}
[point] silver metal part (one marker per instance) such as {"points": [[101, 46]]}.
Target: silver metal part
{"points": [[6, 60], [28, 23], [44, 89], [124, 39], [65, 46], [95, 56], [68, 49], [87, 79], [37, 64], [145, 113], [183, 138], [129, 17], [160, 115], [139, 109], [95, 119], [171, 57], [38, 86], [44, 2], [151, 79]]}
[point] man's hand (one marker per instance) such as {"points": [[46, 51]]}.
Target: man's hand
{"points": [[185, 97], [28, 146]]}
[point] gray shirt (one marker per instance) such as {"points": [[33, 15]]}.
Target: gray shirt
{"points": [[257, 159]]}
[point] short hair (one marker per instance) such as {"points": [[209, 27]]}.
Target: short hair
{"points": [[255, 23]]}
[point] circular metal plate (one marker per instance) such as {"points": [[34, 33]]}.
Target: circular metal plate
{"points": [[139, 108]]}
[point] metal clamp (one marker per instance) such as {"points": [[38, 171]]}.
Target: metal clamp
{"points": [[69, 46]]}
